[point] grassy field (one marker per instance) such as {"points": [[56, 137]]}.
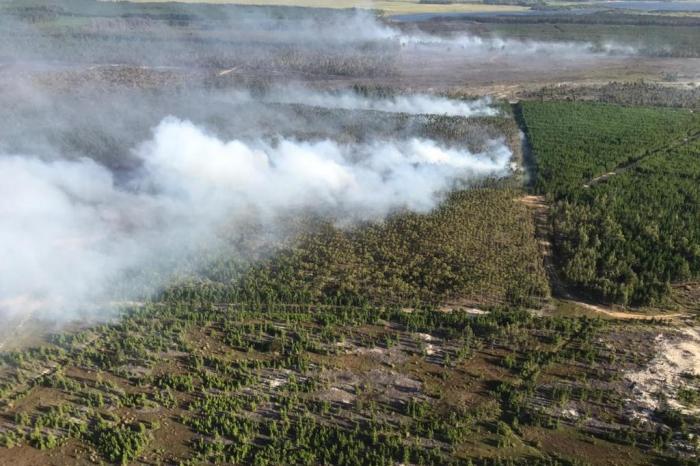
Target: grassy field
{"points": [[386, 6]]}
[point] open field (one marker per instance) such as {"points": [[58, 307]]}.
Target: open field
{"points": [[385, 6]]}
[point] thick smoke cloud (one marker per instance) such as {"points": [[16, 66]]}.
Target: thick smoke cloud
{"points": [[69, 231], [364, 180]]}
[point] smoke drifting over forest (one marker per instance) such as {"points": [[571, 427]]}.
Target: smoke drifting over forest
{"points": [[69, 229], [98, 192]]}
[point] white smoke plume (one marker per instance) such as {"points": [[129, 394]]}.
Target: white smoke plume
{"points": [[69, 231], [414, 104]]}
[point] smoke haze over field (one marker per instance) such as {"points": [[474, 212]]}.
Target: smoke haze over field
{"points": [[345, 43], [413, 104]]}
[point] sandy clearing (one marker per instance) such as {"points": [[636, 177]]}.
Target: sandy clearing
{"points": [[678, 356]]}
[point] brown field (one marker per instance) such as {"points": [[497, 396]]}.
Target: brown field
{"points": [[386, 6]]}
